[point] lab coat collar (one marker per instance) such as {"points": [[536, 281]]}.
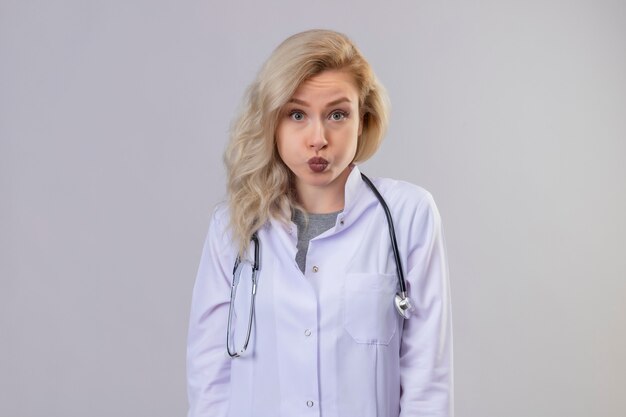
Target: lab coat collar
{"points": [[357, 198], [354, 184]]}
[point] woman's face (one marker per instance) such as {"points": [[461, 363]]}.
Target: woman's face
{"points": [[318, 130]]}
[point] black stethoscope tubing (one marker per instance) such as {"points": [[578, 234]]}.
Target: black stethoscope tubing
{"points": [[392, 233]]}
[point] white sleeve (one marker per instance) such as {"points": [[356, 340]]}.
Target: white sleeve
{"points": [[426, 351], [208, 365]]}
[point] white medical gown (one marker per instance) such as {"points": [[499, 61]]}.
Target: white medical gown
{"points": [[328, 343]]}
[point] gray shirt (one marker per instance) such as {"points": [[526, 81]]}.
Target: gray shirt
{"points": [[317, 224]]}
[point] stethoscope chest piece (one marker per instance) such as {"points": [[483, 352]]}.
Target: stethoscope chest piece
{"points": [[403, 305]]}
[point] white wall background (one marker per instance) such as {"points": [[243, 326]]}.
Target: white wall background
{"points": [[113, 118]]}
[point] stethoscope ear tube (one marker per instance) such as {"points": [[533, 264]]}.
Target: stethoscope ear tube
{"points": [[233, 353], [255, 239], [402, 301]]}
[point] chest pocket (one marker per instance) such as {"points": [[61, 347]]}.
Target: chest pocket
{"points": [[368, 307]]}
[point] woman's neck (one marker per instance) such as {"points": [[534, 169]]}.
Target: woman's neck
{"points": [[329, 198]]}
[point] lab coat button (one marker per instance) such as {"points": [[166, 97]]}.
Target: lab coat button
{"points": [[341, 222], [309, 403], [307, 332], [315, 268]]}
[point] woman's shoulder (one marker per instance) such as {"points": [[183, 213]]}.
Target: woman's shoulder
{"points": [[221, 213], [220, 219], [404, 194], [413, 209]]}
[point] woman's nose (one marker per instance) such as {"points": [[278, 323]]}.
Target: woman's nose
{"points": [[317, 138]]}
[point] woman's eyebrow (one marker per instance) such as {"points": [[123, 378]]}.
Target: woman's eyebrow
{"points": [[332, 103]]}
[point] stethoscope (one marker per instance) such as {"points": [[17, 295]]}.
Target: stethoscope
{"points": [[401, 300]]}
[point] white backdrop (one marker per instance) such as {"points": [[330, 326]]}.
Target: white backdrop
{"points": [[113, 118]]}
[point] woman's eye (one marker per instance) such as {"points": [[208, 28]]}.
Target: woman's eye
{"points": [[296, 115], [338, 115]]}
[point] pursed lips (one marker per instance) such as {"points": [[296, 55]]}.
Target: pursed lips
{"points": [[317, 164]]}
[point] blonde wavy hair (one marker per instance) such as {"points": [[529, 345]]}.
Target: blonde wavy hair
{"points": [[260, 186]]}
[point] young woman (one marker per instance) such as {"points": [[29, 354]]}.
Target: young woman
{"points": [[335, 321]]}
